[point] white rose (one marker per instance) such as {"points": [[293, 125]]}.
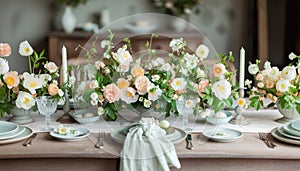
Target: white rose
{"points": [[25, 100], [177, 44], [289, 73], [51, 67], [267, 65], [282, 85], [221, 89], [4, 67], [273, 73], [202, 51], [253, 69], [292, 56]]}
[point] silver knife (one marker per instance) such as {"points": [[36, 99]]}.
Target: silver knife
{"points": [[189, 142], [29, 140]]}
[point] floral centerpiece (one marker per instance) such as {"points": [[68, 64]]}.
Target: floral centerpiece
{"points": [[20, 90], [280, 86], [121, 79]]}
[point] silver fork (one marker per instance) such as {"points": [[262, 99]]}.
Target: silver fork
{"points": [[101, 137], [264, 137]]}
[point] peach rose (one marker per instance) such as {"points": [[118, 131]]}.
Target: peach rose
{"points": [[140, 84], [260, 84], [112, 93], [137, 71], [202, 87], [270, 84], [53, 89], [5, 49], [259, 77]]}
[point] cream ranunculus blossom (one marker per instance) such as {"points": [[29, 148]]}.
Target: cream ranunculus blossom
{"points": [[123, 56], [178, 84], [202, 51], [25, 49], [25, 100], [282, 85], [129, 95], [289, 73], [11, 79], [32, 83], [4, 67], [141, 84], [253, 69], [154, 92], [221, 89], [274, 73], [219, 70], [51, 67]]}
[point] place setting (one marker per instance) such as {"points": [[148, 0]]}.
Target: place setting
{"points": [[12, 133], [288, 133]]}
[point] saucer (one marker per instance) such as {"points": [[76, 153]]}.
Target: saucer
{"points": [[71, 137], [223, 134]]}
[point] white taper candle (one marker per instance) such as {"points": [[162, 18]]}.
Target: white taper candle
{"points": [[242, 68], [64, 64]]}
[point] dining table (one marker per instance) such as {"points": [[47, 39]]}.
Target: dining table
{"points": [[246, 153]]}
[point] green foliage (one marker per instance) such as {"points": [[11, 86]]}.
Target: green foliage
{"points": [[73, 3]]}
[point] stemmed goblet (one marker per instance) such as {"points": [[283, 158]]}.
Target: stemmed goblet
{"points": [[185, 106], [46, 106]]}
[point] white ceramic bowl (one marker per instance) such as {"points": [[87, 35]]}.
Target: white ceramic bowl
{"points": [[219, 120], [86, 120]]}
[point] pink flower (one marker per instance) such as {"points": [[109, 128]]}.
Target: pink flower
{"points": [[53, 89], [112, 93], [5, 49], [141, 83], [11, 79], [218, 69], [137, 71], [202, 86]]}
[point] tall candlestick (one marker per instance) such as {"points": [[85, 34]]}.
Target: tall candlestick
{"points": [[64, 65], [242, 68]]}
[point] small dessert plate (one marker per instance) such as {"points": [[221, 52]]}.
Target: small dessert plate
{"points": [[296, 125], [82, 133], [223, 134], [290, 130]]}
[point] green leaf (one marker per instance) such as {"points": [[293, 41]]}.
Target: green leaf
{"points": [[109, 113], [229, 102], [298, 109]]}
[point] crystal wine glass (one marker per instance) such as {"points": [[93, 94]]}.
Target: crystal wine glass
{"points": [[185, 106], [46, 106]]}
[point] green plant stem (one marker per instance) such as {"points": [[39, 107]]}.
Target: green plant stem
{"points": [[29, 62]]}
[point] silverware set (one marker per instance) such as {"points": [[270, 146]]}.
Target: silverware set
{"points": [[268, 142], [100, 139]]}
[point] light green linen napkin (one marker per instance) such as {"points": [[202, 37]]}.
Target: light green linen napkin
{"points": [[146, 148]]}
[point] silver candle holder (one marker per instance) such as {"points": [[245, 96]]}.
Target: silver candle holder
{"points": [[66, 118], [239, 119]]}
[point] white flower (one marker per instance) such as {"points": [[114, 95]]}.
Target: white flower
{"points": [[32, 83], [51, 67], [105, 43], [178, 84], [189, 103], [25, 49], [177, 44], [221, 89], [292, 56], [94, 102], [158, 62], [254, 89], [200, 73], [72, 80], [94, 96], [248, 82], [60, 92], [202, 51], [100, 110], [219, 70], [191, 61], [99, 64], [123, 68], [123, 56], [282, 85], [25, 100], [253, 69], [4, 67], [273, 73], [154, 92], [94, 84], [55, 82], [166, 67], [129, 95], [45, 78], [147, 103], [289, 73], [267, 65], [63, 130], [155, 78]]}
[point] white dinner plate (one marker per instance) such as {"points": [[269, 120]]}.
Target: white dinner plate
{"points": [[119, 135], [223, 134], [276, 134], [24, 135], [296, 125], [71, 137], [19, 131], [282, 131], [7, 128], [290, 130]]}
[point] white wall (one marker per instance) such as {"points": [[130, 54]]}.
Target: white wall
{"points": [[223, 21]]}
